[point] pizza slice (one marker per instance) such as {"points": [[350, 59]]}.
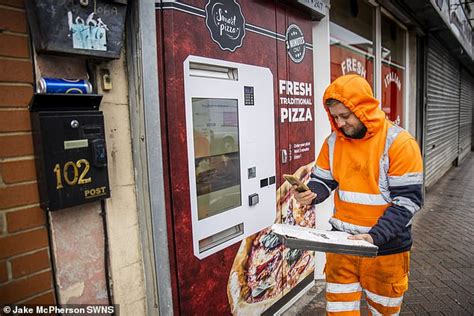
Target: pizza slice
{"points": [[264, 270]]}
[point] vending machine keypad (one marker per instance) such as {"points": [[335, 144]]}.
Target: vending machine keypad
{"points": [[248, 95]]}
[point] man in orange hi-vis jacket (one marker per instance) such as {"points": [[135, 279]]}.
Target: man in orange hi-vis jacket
{"points": [[377, 171]]}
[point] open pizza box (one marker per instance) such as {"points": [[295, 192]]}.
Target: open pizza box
{"points": [[322, 240]]}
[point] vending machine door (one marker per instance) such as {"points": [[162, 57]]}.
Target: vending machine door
{"points": [[231, 146]]}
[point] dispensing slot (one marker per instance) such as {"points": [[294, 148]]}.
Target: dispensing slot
{"points": [[220, 237], [212, 71]]}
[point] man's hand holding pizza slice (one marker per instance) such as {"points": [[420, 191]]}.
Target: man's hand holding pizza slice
{"points": [[304, 198]]}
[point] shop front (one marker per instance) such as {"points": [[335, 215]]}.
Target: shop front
{"points": [[239, 90], [236, 83]]}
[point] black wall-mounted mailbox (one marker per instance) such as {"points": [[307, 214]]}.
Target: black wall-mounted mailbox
{"points": [[91, 28], [70, 149]]}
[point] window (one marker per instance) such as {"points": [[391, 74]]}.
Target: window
{"points": [[352, 43], [353, 35], [393, 69]]}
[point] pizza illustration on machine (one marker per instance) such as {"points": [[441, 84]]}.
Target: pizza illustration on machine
{"points": [[264, 270]]}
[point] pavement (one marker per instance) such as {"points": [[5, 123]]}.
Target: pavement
{"points": [[441, 278]]}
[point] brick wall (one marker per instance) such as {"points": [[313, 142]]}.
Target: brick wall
{"points": [[25, 265]]}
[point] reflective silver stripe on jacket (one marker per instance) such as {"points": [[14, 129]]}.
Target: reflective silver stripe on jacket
{"points": [[322, 173], [331, 144], [411, 178], [406, 203], [348, 228], [384, 163], [361, 198], [384, 180]]}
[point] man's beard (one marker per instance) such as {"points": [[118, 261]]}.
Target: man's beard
{"points": [[358, 135]]}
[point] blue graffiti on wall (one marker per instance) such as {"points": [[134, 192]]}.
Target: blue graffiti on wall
{"points": [[88, 34]]}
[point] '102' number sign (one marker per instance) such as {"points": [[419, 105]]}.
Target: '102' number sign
{"points": [[76, 177]]}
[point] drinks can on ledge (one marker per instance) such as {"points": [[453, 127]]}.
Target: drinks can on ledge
{"points": [[59, 85]]}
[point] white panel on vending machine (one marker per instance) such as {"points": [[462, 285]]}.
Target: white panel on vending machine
{"points": [[230, 128]]}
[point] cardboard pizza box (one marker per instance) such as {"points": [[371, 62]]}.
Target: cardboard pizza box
{"points": [[322, 240]]}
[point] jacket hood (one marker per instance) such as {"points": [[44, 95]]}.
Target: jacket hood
{"points": [[356, 94]]}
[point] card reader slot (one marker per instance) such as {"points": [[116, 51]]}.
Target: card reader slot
{"points": [[220, 237], [213, 71]]}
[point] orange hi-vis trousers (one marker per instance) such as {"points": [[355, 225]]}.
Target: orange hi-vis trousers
{"points": [[383, 279]]}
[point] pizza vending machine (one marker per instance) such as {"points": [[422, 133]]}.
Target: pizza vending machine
{"points": [[236, 89]]}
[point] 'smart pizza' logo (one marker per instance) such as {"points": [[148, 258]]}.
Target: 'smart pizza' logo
{"points": [[226, 23]]}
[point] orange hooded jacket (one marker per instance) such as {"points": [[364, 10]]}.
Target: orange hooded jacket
{"points": [[378, 179]]}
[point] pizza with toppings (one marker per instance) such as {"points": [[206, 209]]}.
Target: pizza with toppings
{"points": [[263, 268]]}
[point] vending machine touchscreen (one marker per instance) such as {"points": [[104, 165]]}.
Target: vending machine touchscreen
{"points": [[232, 181]]}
